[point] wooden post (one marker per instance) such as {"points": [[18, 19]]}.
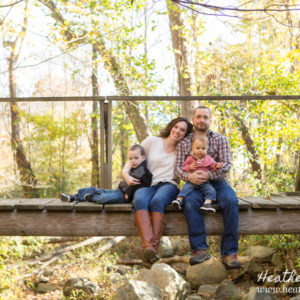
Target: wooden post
{"points": [[105, 144]]}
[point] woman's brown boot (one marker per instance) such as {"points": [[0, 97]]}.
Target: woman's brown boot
{"points": [[143, 223], [158, 224]]}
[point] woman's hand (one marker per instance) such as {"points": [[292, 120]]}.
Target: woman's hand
{"points": [[131, 180]]}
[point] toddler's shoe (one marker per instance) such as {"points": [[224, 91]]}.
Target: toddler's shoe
{"points": [[67, 198], [88, 197], [177, 204], [207, 209]]}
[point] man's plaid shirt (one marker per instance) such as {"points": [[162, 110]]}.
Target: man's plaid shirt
{"points": [[218, 149]]}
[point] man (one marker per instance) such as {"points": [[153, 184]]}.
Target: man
{"points": [[219, 150]]}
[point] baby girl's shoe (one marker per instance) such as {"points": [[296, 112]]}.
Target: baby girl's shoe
{"points": [[177, 204], [207, 209]]}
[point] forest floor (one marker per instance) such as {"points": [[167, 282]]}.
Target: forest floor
{"points": [[28, 262]]}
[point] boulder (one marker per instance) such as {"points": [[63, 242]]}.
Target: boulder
{"points": [[82, 284], [165, 247], [181, 245], [173, 286], [207, 290], [137, 290], [211, 271], [253, 269], [226, 290], [262, 254], [277, 260]]}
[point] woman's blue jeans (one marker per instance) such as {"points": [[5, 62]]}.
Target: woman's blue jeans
{"points": [[101, 196], [155, 198], [228, 202]]}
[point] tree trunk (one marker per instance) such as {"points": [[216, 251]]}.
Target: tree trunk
{"points": [[131, 107], [181, 59], [254, 158], [95, 176], [27, 177], [113, 67]]}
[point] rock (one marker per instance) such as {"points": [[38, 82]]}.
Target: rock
{"points": [[277, 260], [180, 267], [43, 279], [165, 247], [80, 284], [135, 289], [194, 297], [253, 269], [211, 271], [181, 245], [45, 288], [227, 290], [207, 290], [172, 284], [257, 294], [262, 254]]}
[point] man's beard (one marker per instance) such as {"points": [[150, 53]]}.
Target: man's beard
{"points": [[202, 129]]}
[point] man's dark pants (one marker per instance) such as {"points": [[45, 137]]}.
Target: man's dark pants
{"points": [[228, 202]]}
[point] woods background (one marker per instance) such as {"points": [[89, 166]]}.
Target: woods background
{"points": [[91, 48]]}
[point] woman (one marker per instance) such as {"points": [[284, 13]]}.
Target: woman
{"points": [[150, 202]]}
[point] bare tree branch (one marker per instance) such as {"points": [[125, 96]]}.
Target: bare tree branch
{"points": [[12, 4], [220, 8]]}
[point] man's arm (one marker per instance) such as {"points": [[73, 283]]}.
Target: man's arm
{"points": [[224, 156], [181, 154]]}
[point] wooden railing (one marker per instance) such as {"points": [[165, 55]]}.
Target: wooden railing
{"points": [[106, 117]]}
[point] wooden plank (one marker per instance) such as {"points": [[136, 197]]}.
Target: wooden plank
{"points": [[88, 206], [297, 198], [57, 204], [8, 204], [126, 207], [258, 202], [32, 203], [296, 193], [58, 223], [286, 202], [243, 204]]}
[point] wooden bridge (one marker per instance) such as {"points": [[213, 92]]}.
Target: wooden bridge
{"points": [[52, 217]]}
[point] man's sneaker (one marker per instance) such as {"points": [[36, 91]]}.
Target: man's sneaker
{"points": [[88, 197], [207, 209], [177, 204], [199, 257], [67, 197], [231, 262]]}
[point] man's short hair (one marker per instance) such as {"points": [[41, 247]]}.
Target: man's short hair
{"points": [[201, 107], [136, 147]]}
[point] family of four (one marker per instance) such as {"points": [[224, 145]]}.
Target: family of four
{"points": [[183, 151]]}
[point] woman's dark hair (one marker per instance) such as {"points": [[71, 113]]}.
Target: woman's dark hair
{"points": [[165, 132]]}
